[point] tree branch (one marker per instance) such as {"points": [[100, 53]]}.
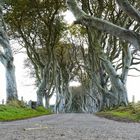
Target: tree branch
{"points": [[3, 58], [129, 9], [103, 25], [135, 69], [126, 62]]}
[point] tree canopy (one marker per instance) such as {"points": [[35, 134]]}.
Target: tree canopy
{"points": [[97, 50]]}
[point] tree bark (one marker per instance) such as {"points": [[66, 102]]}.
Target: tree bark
{"points": [[42, 88], [11, 86], [129, 9], [118, 87], [6, 58]]}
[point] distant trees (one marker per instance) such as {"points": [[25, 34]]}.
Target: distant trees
{"points": [[6, 58]]}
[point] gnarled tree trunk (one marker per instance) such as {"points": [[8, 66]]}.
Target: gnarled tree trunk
{"points": [[118, 84], [6, 58]]}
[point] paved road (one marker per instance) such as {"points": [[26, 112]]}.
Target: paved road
{"points": [[69, 127]]}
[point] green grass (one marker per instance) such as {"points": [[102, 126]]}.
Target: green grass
{"points": [[131, 113], [9, 113]]}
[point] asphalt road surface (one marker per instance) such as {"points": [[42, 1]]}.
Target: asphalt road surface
{"points": [[69, 127]]}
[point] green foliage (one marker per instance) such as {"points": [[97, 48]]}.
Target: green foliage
{"points": [[38, 26], [77, 31], [16, 103], [42, 109], [33, 17], [62, 53], [9, 113], [129, 113]]}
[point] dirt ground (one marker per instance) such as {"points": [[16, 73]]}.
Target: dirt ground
{"points": [[69, 127]]}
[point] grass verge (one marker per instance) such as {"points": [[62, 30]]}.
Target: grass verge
{"points": [[131, 113], [10, 113]]}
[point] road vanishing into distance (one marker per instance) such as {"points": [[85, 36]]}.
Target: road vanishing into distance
{"points": [[71, 126]]}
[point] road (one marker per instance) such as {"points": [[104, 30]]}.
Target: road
{"points": [[69, 127]]}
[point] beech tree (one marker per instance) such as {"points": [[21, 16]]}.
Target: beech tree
{"points": [[38, 27], [105, 26], [6, 58], [86, 16], [111, 38]]}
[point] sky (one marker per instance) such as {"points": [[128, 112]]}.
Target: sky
{"points": [[28, 91]]}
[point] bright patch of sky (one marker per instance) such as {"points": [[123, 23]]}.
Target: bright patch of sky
{"points": [[68, 17]]}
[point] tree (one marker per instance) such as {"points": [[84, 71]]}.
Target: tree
{"points": [[98, 92], [39, 30], [6, 58], [107, 27], [101, 68], [95, 26]]}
